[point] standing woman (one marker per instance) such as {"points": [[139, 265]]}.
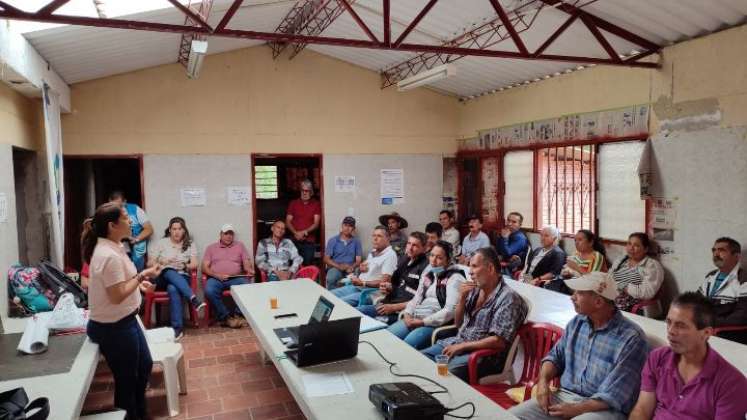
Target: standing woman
{"points": [[177, 254], [113, 301]]}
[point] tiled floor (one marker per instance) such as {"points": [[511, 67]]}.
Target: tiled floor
{"points": [[225, 380]]}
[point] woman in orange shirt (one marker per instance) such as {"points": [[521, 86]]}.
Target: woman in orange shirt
{"points": [[113, 302]]}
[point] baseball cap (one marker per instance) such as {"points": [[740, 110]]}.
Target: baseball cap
{"points": [[349, 220], [601, 283], [226, 228]]}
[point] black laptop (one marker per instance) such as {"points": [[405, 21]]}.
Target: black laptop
{"points": [[324, 342], [321, 313]]}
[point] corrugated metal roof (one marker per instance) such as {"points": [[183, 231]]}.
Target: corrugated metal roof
{"points": [[81, 53]]}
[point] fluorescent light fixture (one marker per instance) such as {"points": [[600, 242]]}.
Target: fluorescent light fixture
{"points": [[197, 53], [426, 77]]}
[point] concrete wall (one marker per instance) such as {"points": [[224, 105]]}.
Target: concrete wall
{"points": [[245, 102], [20, 126], [698, 126]]}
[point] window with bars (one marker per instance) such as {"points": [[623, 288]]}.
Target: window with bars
{"points": [[266, 182], [566, 187]]}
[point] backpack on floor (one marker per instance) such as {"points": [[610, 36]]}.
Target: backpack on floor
{"points": [[59, 283], [25, 288]]}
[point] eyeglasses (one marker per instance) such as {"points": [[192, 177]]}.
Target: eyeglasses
{"points": [[308, 191]]}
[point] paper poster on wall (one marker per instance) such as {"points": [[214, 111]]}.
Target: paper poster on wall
{"points": [[3, 208], [193, 197], [392, 185], [345, 184], [663, 223], [238, 196]]}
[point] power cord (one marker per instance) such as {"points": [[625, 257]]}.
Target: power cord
{"points": [[444, 390]]}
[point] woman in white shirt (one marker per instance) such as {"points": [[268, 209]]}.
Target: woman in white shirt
{"points": [[177, 254], [434, 302], [113, 302]]}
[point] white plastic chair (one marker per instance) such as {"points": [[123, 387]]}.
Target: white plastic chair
{"points": [[170, 356]]}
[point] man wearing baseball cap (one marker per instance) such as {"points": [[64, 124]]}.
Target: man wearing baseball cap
{"points": [[343, 253], [226, 263], [599, 359]]}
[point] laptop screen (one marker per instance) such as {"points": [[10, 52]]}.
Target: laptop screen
{"points": [[322, 310]]}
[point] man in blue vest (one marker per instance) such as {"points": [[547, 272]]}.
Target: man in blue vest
{"points": [[137, 244]]}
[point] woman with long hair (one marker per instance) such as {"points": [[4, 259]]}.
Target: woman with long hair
{"points": [[637, 275], [177, 254], [113, 302], [590, 255], [435, 300]]}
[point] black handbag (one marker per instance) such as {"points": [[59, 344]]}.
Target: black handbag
{"points": [[14, 405]]}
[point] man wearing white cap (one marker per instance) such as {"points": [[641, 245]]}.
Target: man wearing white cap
{"points": [[599, 359], [226, 263]]}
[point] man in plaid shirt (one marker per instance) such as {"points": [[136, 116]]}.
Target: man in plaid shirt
{"points": [[599, 359], [488, 315]]}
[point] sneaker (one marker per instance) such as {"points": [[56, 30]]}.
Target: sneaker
{"points": [[198, 305], [178, 334], [234, 322]]}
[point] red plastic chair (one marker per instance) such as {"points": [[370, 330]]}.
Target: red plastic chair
{"points": [[308, 272], [537, 340], [162, 296], [638, 307]]}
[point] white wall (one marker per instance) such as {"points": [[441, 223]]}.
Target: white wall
{"points": [[705, 171], [165, 175], [8, 229], [423, 179]]}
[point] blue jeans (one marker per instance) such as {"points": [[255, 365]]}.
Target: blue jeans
{"points": [[350, 294], [458, 364], [333, 276], [271, 276], [214, 294], [126, 351], [306, 250], [419, 338], [177, 286]]}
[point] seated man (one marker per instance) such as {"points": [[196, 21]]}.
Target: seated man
{"points": [[379, 266], [488, 315], [433, 231], [395, 225], [688, 379], [450, 233], [342, 254], [226, 263], [475, 240], [599, 359], [277, 257], [404, 282], [726, 287], [512, 244]]}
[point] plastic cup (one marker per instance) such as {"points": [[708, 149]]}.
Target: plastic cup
{"points": [[442, 365], [273, 302]]}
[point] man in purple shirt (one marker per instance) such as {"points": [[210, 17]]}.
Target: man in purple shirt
{"points": [[688, 379]]}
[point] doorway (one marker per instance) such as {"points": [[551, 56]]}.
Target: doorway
{"points": [[277, 180], [88, 182]]}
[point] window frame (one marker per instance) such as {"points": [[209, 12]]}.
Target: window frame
{"points": [[535, 148]]}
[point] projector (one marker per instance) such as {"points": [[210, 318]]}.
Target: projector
{"points": [[405, 401]]}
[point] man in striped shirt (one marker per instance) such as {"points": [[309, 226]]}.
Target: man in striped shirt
{"points": [[599, 359]]}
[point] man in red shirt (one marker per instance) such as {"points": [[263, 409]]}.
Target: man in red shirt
{"points": [[302, 219]]}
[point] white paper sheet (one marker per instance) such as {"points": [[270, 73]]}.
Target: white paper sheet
{"points": [[238, 196], [344, 183], [193, 197], [326, 384], [392, 183], [369, 324], [35, 336], [3, 208]]}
